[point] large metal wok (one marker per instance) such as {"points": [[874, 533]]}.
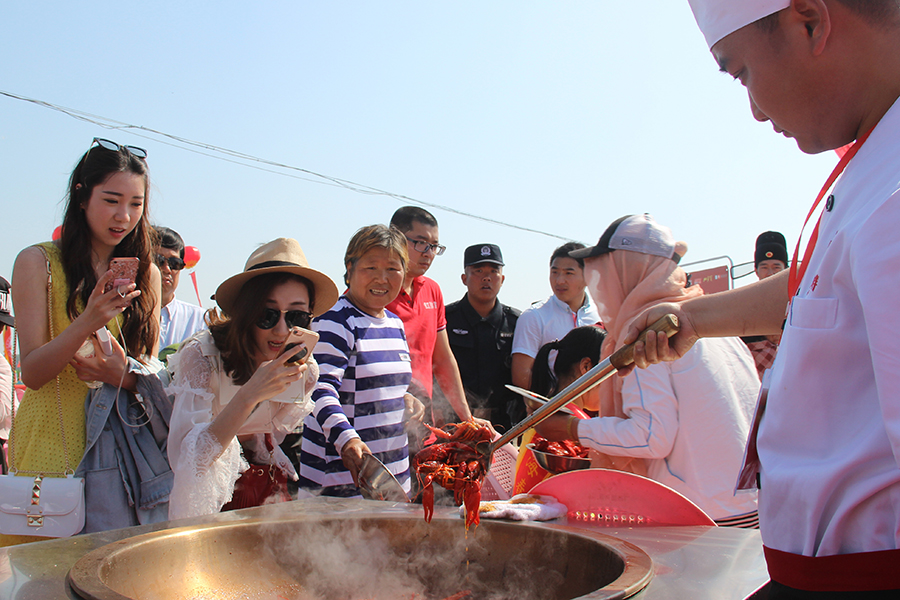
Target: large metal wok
{"points": [[362, 555]]}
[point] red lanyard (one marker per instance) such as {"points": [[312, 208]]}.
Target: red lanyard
{"points": [[798, 268]]}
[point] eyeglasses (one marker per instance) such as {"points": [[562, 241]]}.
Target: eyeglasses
{"points": [[111, 145], [292, 318], [423, 246], [175, 263]]}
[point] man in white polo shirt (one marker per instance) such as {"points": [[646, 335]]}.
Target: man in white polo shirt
{"points": [[569, 307], [825, 73], [178, 320]]}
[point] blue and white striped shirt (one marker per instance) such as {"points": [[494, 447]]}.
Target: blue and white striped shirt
{"points": [[364, 371]]}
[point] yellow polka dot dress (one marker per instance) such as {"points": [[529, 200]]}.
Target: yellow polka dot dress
{"points": [[36, 443]]}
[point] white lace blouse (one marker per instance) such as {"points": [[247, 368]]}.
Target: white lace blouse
{"points": [[205, 472]]}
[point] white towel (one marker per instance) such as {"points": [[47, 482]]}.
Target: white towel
{"points": [[521, 507]]}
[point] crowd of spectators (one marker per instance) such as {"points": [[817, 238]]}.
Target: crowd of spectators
{"points": [[220, 410]]}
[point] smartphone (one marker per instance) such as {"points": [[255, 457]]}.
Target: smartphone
{"points": [[124, 272], [105, 340], [300, 337]]}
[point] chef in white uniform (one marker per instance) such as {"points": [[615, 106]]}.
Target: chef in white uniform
{"points": [[826, 73]]}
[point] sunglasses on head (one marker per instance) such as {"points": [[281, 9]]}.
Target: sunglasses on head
{"points": [[111, 145], [175, 263], [292, 318]]}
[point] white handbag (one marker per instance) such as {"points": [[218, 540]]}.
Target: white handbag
{"points": [[32, 503], [41, 506]]}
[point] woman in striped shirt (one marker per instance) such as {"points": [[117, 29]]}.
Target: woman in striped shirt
{"points": [[361, 399]]}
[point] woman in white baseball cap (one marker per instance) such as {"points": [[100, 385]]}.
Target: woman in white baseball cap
{"points": [[687, 419]]}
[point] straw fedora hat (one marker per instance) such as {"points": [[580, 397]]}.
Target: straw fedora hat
{"points": [[283, 255]]}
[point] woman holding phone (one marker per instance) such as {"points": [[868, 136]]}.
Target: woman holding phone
{"points": [[106, 216], [362, 402], [239, 389]]}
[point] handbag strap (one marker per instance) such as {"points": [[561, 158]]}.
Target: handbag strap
{"points": [[12, 399], [12, 454]]}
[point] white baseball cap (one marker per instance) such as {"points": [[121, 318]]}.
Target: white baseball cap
{"points": [[637, 233]]}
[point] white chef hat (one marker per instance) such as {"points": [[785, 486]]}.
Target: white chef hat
{"points": [[718, 18]]}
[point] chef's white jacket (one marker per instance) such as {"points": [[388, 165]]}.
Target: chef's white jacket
{"points": [[830, 438]]}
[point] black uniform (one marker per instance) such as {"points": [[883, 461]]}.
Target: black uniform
{"points": [[482, 350]]}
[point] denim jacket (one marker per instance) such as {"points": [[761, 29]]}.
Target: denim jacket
{"points": [[125, 464]]}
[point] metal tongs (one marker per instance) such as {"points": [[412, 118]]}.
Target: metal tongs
{"points": [[619, 359]]}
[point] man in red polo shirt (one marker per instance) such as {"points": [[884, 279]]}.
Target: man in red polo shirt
{"points": [[420, 305]]}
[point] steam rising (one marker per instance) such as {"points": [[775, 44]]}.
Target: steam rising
{"points": [[352, 560], [349, 562]]}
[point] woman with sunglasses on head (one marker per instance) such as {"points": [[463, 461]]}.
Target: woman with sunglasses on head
{"points": [[361, 399], [225, 432], [106, 216]]}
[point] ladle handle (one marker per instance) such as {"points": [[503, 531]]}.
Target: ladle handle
{"points": [[621, 358], [624, 356]]}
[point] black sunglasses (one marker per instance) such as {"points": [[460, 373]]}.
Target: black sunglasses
{"points": [[111, 145], [292, 318], [175, 263]]}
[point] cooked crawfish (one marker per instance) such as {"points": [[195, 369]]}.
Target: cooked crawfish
{"points": [[467, 431], [560, 448], [455, 466]]}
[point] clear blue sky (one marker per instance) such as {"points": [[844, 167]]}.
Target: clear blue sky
{"points": [[557, 116]]}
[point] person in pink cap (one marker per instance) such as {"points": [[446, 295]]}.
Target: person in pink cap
{"points": [[825, 446], [683, 424]]}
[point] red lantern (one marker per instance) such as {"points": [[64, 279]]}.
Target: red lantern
{"points": [[191, 256], [57, 233]]}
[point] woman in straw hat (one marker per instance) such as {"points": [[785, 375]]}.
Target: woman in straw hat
{"points": [[225, 376], [362, 402]]}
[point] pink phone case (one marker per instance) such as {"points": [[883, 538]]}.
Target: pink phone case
{"points": [[124, 272], [302, 337]]}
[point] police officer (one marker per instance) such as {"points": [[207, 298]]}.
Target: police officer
{"points": [[480, 330], [769, 258]]}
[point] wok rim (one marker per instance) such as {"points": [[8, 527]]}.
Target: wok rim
{"points": [[87, 576]]}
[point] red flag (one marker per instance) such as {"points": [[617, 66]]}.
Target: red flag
{"points": [[196, 289]]}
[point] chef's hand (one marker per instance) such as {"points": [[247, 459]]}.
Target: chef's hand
{"points": [[414, 412], [558, 427], [658, 348], [352, 455]]}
